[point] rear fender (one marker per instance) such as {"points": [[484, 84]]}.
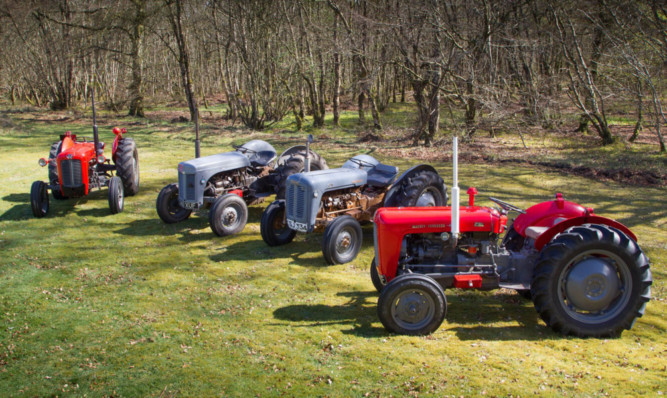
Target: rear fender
{"points": [[549, 234], [392, 194]]}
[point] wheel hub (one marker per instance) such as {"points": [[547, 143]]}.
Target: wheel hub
{"points": [[229, 216], [426, 199], [344, 242], [592, 284], [412, 308]]}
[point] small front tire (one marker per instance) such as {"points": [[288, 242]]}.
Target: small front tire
{"points": [[116, 195], [39, 199], [228, 215], [273, 227], [375, 277], [342, 240], [167, 205], [412, 304]]}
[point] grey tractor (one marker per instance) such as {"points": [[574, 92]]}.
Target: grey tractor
{"points": [[337, 201], [226, 183]]}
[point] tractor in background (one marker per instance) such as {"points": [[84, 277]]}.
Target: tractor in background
{"points": [[337, 201], [77, 165]]}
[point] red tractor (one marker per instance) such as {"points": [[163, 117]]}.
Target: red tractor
{"points": [[585, 274], [76, 166]]}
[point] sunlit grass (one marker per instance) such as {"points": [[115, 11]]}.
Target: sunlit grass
{"points": [[97, 304]]}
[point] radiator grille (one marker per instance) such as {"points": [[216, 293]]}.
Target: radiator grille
{"points": [[71, 173], [186, 184], [296, 202]]}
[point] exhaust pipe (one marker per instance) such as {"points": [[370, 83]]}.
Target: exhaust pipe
{"points": [[96, 135], [455, 192]]}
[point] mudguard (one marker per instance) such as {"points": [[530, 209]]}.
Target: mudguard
{"points": [[363, 162], [549, 234], [262, 153], [392, 194]]}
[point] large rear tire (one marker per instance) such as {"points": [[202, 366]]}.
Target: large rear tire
{"points": [[342, 240], [424, 188], [53, 171], [116, 195], [412, 304], [167, 205], [228, 215], [273, 227], [127, 165], [591, 281], [39, 199], [293, 165]]}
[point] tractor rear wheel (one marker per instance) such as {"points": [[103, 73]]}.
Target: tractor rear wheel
{"points": [[375, 277], [342, 240], [127, 165], [116, 195], [296, 164], [424, 188], [412, 304], [228, 215], [167, 205], [591, 281], [39, 199], [53, 171], [273, 227]]}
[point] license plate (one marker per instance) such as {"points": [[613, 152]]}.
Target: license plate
{"points": [[298, 226], [189, 205]]}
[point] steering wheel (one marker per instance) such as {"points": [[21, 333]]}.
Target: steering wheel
{"points": [[362, 162], [506, 206], [242, 149]]}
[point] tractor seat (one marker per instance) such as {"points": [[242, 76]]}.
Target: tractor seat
{"points": [[535, 232], [382, 175], [262, 158]]}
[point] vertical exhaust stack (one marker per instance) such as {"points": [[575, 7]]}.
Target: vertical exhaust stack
{"points": [[96, 135], [455, 192]]}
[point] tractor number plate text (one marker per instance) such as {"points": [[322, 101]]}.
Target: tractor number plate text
{"points": [[298, 226]]}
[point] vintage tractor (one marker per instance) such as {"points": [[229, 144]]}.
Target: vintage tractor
{"points": [[77, 165], [228, 182], [337, 200], [585, 274]]}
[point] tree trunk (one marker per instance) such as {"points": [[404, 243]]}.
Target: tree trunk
{"points": [[183, 55], [337, 75], [137, 56]]}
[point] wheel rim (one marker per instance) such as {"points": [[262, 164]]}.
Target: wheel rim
{"points": [[280, 228], [412, 309], [427, 198], [345, 242], [44, 199], [172, 204], [595, 286], [120, 196], [230, 216]]}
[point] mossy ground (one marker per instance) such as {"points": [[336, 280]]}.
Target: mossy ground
{"points": [[97, 304]]}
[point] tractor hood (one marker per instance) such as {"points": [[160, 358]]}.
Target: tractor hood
{"points": [[321, 181], [392, 224], [214, 163]]}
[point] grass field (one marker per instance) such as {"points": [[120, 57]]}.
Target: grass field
{"points": [[94, 304]]}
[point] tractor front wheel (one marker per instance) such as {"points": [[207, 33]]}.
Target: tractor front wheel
{"points": [[39, 199], [591, 281], [116, 195], [342, 240], [228, 215], [412, 304], [273, 227], [375, 277], [127, 165], [167, 205]]}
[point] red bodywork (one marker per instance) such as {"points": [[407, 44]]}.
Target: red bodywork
{"points": [[72, 150], [392, 224]]}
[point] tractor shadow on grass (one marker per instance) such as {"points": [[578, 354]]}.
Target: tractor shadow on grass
{"points": [[358, 312]]}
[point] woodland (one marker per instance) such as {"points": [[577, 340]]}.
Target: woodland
{"points": [[465, 66]]}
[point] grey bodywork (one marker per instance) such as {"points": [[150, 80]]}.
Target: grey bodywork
{"points": [[193, 175], [304, 191]]}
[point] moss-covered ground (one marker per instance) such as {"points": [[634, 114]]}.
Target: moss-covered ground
{"points": [[94, 304]]}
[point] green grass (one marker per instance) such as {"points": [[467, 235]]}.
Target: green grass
{"points": [[96, 304]]}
